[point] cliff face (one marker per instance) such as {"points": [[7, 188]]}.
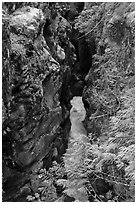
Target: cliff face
{"points": [[114, 59], [35, 109], [108, 96]]}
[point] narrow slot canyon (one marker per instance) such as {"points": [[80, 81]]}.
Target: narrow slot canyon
{"points": [[68, 102]]}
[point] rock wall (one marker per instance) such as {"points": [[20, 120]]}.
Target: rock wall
{"points": [[114, 37], [35, 106]]}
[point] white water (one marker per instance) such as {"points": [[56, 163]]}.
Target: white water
{"points": [[75, 153], [77, 115]]}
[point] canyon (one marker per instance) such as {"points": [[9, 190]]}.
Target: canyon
{"points": [[61, 96]]}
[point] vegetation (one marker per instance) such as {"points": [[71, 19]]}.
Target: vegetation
{"points": [[49, 179], [111, 87], [108, 161]]}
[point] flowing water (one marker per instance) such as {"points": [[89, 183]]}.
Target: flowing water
{"points": [[77, 115], [75, 154]]}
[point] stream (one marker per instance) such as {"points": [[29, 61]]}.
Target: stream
{"points": [[75, 154], [77, 115]]}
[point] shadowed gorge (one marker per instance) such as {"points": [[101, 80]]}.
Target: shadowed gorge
{"points": [[68, 92]]}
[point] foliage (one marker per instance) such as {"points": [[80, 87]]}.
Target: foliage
{"points": [[61, 7], [49, 180], [111, 94], [111, 90]]}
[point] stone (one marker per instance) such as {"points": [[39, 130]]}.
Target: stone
{"points": [[32, 102], [26, 21]]}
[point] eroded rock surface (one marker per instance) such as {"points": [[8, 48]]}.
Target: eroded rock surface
{"points": [[36, 116]]}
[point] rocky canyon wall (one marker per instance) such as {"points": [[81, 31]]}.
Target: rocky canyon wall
{"points": [[35, 104]]}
